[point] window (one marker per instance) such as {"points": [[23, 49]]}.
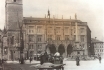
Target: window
{"points": [[39, 38], [31, 46], [98, 50], [66, 29], [74, 29], [82, 30], [31, 38], [39, 46], [78, 52], [12, 40], [39, 29], [82, 38], [66, 37], [58, 37], [49, 29], [14, 0], [31, 29], [49, 37], [83, 46], [57, 29], [74, 37]]}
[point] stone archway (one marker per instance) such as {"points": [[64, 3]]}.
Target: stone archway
{"points": [[51, 49], [61, 49], [69, 49]]}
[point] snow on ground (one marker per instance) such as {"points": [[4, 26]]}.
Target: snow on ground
{"points": [[71, 65], [84, 65], [26, 62]]}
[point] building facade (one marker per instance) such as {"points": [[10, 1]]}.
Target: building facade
{"points": [[58, 35], [70, 37], [98, 47]]}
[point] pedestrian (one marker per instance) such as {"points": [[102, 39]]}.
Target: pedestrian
{"points": [[30, 59], [77, 61], [99, 59], [19, 60], [61, 59], [0, 62], [41, 59]]}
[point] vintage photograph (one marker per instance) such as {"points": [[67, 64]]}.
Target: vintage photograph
{"points": [[51, 35]]}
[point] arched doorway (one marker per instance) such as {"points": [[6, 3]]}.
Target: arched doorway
{"points": [[69, 49], [61, 49], [51, 49]]}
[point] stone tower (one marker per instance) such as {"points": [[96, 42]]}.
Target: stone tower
{"points": [[13, 13], [13, 17]]}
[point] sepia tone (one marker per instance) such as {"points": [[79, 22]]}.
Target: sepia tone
{"points": [[27, 37]]}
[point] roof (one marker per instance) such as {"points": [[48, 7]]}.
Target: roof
{"points": [[96, 41], [51, 19]]}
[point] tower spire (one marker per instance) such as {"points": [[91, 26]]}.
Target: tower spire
{"points": [[48, 13]]}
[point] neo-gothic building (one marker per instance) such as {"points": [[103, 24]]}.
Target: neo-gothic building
{"points": [[70, 37]]}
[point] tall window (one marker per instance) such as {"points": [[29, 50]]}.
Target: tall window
{"points": [[57, 29], [31, 38], [49, 29], [66, 29], [66, 37], [49, 37], [58, 37], [81, 30], [12, 40], [39, 38], [39, 29], [74, 37], [31, 46], [31, 29], [82, 38]]}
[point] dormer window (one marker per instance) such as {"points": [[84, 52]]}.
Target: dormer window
{"points": [[14, 0]]}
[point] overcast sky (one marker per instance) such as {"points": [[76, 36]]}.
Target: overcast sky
{"points": [[91, 11]]}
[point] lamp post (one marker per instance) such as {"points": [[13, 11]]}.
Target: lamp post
{"points": [[2, 48], [21, 46]]}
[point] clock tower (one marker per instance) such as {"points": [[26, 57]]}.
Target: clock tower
{"points": [[13, 14], [13, 17]]}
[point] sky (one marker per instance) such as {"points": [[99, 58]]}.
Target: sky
{"points": [[90, 11]]}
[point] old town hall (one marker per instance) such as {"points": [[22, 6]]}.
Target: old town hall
{"points": [[70, 37]]}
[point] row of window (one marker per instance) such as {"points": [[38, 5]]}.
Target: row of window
{"points": [[31, 46], [57, 29], [99, 47], [50, 37], [99, 50]]}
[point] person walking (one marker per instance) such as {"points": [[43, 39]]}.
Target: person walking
{"points": [[77, 61], [41, 59], [30, 59], [99, 59]]}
